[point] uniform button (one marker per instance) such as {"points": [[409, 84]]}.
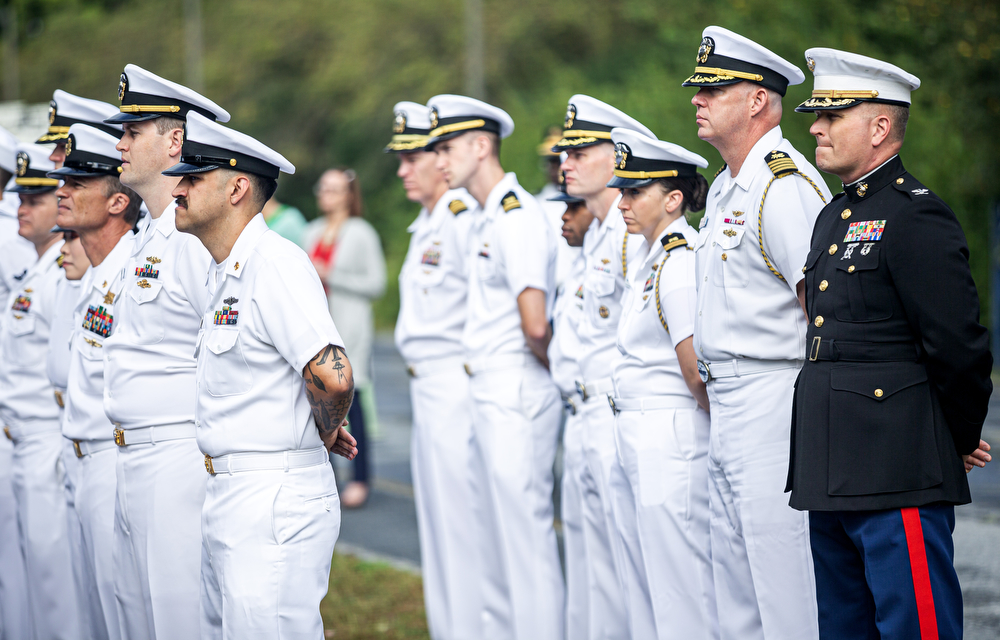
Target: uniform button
{"points": [[724, 257], [850, 269], [818, 321], [714, 243], [803, 269], [706, 278], [646, 297], [197, 423], [833, 249], [823, 285], [845, 214], [899, 181], [878, 393]]}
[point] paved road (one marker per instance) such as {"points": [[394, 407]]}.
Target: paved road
{"points": [[386, 528]]}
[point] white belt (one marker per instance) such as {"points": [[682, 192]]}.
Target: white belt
{"points": [[496, 363], [742, 367], [280, 460], [16, 433], [651, 403], [593, 389], [152, 435], [426, 368], [83, 448]]}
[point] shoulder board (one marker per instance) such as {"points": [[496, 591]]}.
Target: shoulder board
{"points": [[510, 201], [721, 169], [780, 163], [911, 187], [673, 241], [457, 207]]}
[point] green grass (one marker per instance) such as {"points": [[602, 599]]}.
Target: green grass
{"points": [[372, 601]]}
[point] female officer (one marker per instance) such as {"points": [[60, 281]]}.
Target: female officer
{"points": [[660, 484]]}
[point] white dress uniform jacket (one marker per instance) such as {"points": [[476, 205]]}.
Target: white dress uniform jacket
{"points": [[751, 330], [516, 411], [272, 513], [433, 287]]}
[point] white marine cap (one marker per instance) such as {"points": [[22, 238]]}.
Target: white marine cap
{"points": [[65, 110], [145, 96], [725, 58], [843, 79], [89, 152], [590, 121], [641, 159], [411, 127], [454, 115], [8, 151], [208, 145], [32, 166]]}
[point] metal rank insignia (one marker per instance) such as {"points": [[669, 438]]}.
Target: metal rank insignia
{"points": [[98, 320], [227, 316], [431, 257], [22, 303], [147, 271]]}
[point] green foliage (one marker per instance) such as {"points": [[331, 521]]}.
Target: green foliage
{"points": [[317, 79]]}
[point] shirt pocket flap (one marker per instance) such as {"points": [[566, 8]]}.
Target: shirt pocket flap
{"points": [[729, 237], [600, 283], [145, 290], [23, 326], [221, 340], [877, 381], [862, 259], [811, 259], [425, 276]]}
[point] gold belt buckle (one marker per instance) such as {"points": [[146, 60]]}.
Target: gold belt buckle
{"points": [[814, 349], [208, 465], [76, 449], [6, 432], [468, 369], [120, 437]]}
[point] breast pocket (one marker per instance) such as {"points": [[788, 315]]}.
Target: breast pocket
{"points": [[426, 291], [145, 322], [17, 346], [859, 275], [732, 251], [226, 370]]}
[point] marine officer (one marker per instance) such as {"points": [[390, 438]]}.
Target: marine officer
{"points": [[30, 412], [897, 385], [515, 405], [274, 386], [750, 334], [589, 165], [65, 110], [102, 211], [149, 375], [659, 481], [433, 287]]}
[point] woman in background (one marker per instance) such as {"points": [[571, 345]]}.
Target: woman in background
{"points": [[347, 253]]}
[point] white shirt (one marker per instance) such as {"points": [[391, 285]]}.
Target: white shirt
{"points": [[565, 345], [647, 358], [744, 309], [266, 320], [510, 251], [57, 359], [25, 391], [604, 286], [93, 322], [565, 254], [434, 280], [149, 368]]}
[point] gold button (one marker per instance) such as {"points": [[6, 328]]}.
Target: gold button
{"points": [[845, 214], [818, 321], [878, 393], [833, 249], [823, 285], [899, 181], [850, 269], [803, 269], [725, 257], [645, 297]]}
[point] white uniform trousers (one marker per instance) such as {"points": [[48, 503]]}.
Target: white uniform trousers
{"points": [[157, 539], [95, 509], [268, 544], [13, 580], [83, 572], [660, 494], [39, 481], [441, 462], [762, 561], [516, 415], [574, 544]]}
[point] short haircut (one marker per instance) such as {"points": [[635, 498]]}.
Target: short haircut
{"points": [[166, 124], [494, 143], [113, 185], [261, 188], [899, 115]]}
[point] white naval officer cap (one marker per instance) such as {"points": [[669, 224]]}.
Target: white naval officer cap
{"points": [[209, 145], [411, 127], [590, 121], [66, 109], [641, 159], [725, 58], [8, 151], [89, 152], [453, 115], [145, 96], [32, 166], [843, 79]]}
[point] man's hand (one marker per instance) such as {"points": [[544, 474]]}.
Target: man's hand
{"points": [[977, 458], [330, 388], [341, 442]]}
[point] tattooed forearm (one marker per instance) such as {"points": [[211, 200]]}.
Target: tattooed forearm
{"points": [[329, 388]]}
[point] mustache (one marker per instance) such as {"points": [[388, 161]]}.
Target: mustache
{"points": [[181, 201]]}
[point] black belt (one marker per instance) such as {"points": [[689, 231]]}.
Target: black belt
{"points": [[834, 350]]}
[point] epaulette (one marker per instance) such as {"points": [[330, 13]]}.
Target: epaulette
{"points": [[673, 241], [721, 169], [457, 207], [59, 259], [780, 163], [510, 201], [911, 187]]}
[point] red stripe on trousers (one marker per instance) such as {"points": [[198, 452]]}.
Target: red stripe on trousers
{"points": [[921, 575]]}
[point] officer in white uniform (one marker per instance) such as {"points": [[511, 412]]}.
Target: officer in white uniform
{"points": [[271, 369], [16, 253], [659, 483], [149, 375], [550, 197], [65, 110], [104, 225], [433, 286], [607, 250], [750, 334], [515, 405], [30, 413]]}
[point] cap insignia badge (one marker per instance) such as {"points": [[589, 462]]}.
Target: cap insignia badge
{"points": [[621, 155], [434, 118], [22, 163], [399, 122], [122, 86], [52, 111], [811, 64], [69, 145], [705, 50], [231, 300], [570, 116], [862, 189]]}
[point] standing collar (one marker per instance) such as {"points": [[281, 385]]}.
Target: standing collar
{"points": [[103, 274], [874, 181], [167, 223], [755, 159]]}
